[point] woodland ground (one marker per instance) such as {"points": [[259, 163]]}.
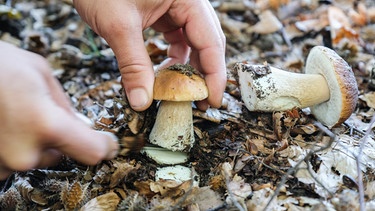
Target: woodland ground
{"points": [[284, 160]]}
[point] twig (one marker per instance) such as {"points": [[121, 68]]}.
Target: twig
{"points": [[309, 154], [358, 162]]}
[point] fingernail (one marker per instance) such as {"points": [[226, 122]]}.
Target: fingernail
{"points": [[113, 153], [111, 135], [138, 98]]}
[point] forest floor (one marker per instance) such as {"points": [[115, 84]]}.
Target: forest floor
{"points": [[241, 160]]}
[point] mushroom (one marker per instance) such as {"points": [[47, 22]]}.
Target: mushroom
{"points": [[328, 87], [164, 156], [176, 87], [177, 173]]}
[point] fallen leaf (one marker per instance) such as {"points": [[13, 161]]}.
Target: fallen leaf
{"points": [[107, 202]]}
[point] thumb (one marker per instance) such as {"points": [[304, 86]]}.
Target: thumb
{"points": [[135, 66]]}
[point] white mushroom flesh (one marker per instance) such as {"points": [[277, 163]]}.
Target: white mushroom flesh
{"points": [[177, 173], [164, 156]]}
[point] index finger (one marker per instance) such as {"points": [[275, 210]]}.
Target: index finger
{"points": [[203, 34]]}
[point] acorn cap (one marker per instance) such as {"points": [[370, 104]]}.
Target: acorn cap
{"points": [[341, 83], [175, 85]]}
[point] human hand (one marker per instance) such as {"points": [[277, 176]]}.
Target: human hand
{"points": [[191, 28], [37, 121]]}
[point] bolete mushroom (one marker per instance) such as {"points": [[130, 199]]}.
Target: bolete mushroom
{"points": [[176, 87], [328, 87]]}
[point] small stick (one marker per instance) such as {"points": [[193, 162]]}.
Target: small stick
{"points": [[358, 162]]}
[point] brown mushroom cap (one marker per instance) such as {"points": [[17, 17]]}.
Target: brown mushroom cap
{"points": [[174, 85], [341, 83]]}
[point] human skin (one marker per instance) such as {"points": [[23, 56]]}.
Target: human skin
{"points": [[190, 27], [38, 124]]}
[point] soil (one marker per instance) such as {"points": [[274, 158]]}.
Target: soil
{"points": [[241, 160]]}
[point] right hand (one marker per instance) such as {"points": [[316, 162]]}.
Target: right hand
{"points": [[191, 28]]}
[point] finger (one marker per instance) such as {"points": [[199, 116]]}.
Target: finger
{"points": [[178, 50], [73, 138], [20, 155], [49, 157], [54, 88], [135, 65], [57, 94], [210, 60], [4, 172], [207, 42], [217, 22]]}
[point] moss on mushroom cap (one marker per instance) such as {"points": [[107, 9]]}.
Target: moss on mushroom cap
{"points": [[172, 85]]}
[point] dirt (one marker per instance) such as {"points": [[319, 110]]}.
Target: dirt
{"points": [[242, 160]]}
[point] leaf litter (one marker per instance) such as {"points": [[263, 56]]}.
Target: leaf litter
{"points": [[242, 160]]}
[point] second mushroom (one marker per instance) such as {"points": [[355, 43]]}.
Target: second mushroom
{"points": [[328, 87], [176, 87]]}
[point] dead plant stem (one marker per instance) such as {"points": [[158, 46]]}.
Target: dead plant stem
{"points": [[358, 163], [307, 157]]}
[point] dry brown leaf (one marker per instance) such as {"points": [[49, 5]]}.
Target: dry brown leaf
{"points": [[260, 144], [277, 124], [272, 4], [340, 25], [242, 162], [122, 169], [107, 202], [359, 17], [369, 98], [144, 188], [304, 129], [275, 4], [311, 24], [28, 192], [257, 187], [267, 24], [204, 197], [170, 188], [251, 147], [101, 175]]}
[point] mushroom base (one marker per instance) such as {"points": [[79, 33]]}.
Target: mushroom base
{"points": [[173, 128], [279, 90]]}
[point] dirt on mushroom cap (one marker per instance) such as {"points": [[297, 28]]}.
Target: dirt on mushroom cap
{"points": [[173, 85]]}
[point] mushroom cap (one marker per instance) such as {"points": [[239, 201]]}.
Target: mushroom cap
{"points": [[341, 83], [174, 85]]}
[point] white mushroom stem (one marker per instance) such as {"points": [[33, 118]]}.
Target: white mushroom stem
{"points": [[329, 87], [265, 88], [173, 128]]}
